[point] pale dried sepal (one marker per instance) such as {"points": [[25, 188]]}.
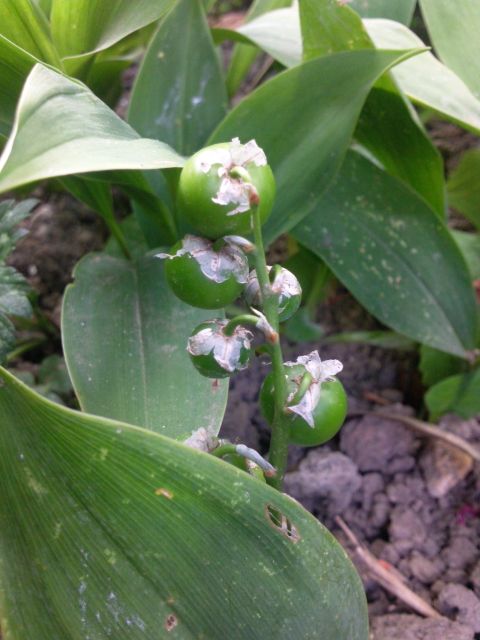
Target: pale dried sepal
{"points": [[285, 285], [264, 326], [254, 456], [320, 372], [217, 265], [242, 243], [226, 350]]}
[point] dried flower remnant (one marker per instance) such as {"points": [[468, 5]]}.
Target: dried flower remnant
{"points": [[320, 372], [218, 264], [235, 186], [285, 285], [229, 353]]}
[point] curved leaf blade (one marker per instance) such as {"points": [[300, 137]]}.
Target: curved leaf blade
{"points": [[395, 255], [329, 93], [88, 136], [88, 26], [124, 337], [456, 394], [454, 28], [425, 79], [108, 530], [179, 94], [388, 126], [23, 23], [400, 10]]}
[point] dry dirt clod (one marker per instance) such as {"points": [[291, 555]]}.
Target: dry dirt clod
{"points": [[411, 627]]}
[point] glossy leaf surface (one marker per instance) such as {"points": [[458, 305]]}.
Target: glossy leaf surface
{"points": [[108, 530], [398, 10], [87, 135], [125, 337], [15, 65], [243, 56], [454, 29], [87, 26], [388, 126], [179, 94], [424, 79], [306, 150], [394, 254], [23, 23]]}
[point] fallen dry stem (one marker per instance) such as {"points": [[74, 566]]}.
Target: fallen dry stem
{"points": [[389, 578]]}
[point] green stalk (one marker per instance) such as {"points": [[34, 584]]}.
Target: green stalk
{"points": [[280, 428], [244, 318]]}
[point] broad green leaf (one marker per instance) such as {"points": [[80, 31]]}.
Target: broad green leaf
{"points": [[328, 27], [25, 24], [399, 10], [179, 94], [395, 255], [388, 126], [276, 32], [91, 136], [457, 394], [454, 30], [329, 93], [244, 56], [425, 80], [469, 245], [125, 337], [111, 531], [463, 186], [436, 365], [15, 65], [88, 26]]}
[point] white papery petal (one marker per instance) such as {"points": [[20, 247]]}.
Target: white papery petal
{"points": [[217, 265], [226, 349], [320, 372], [242, 154]]}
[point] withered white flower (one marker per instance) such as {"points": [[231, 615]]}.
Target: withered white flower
{"points": [[234, 190], [320, 372], [285, 285], [217, 265], [227, 350]]}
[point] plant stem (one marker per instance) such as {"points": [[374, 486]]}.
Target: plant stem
{"points": [[280, 428], [244, 318]]}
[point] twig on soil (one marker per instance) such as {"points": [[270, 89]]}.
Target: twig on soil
{"points": [[434, 431], [390, 579]]}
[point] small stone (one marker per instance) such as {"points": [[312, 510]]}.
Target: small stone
{"points": [[444, 468], [455, 600]]}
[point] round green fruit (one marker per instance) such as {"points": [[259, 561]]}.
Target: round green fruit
{"points": [[217, 355], [205, 277], [284, 284], [328, 415], [220, 184]]}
